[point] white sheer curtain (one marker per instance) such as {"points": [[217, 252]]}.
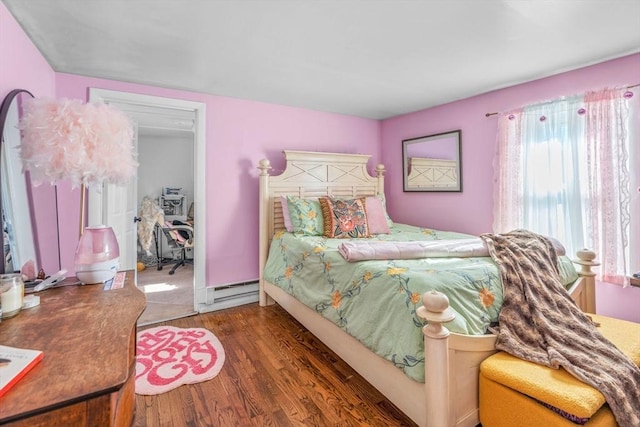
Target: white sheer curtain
{"points": [[562, 169]]}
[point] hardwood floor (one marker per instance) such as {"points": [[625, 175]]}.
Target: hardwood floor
{"points": [[276, 373]]}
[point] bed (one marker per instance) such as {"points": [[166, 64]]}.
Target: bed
{"points": [[449, 395], [426, 173]]}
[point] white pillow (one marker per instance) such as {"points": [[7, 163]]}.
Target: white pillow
{"points": [[376, 215], [285, 214]]}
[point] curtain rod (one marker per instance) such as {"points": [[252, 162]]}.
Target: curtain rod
{"points": [[624, 87]]}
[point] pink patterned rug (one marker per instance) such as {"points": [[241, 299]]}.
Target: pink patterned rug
{"points": [[168, 357]]}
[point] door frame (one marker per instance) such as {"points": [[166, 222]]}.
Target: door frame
{"points": [[95, 203]]}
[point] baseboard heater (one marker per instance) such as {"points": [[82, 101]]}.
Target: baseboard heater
{"points": [[232, 295]]}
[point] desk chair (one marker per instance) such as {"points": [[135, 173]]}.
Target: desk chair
{"points": [[180, 238]]}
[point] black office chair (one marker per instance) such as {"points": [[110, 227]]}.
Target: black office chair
{"points": [[180, 239]]}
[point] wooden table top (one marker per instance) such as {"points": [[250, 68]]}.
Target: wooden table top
{"points": [[85, 333]]}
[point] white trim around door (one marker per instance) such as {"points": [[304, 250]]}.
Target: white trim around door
{"points": [[96, 204]]}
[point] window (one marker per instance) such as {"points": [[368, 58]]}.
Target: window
{"points": [[563, 171]]}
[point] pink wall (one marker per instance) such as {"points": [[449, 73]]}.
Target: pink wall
{"points": [[239, 133], [471, 210], [451, 210], [23, 67], [615, 301]]}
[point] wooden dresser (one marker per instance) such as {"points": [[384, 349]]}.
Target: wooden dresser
{"points": [[87, 375]]}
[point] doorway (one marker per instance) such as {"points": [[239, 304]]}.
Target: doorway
{"points": [[170, 145], [165, 194]]}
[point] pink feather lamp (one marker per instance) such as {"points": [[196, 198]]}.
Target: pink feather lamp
{"points": [[87, 144]]}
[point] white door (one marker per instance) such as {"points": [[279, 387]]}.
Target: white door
{"points": [[118, 210]]}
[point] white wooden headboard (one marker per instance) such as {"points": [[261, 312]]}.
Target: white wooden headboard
{"points": [[310, 174]]}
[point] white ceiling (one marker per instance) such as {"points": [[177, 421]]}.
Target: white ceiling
{"points": [[368, 58]]}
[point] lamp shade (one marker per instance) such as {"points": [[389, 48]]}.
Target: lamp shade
{"points": [[97, 255], [85, 143]]}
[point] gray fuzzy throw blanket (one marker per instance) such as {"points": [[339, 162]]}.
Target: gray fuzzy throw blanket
{"points": [[539, 322]]}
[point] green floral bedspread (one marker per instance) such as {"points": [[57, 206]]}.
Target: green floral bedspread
{"points": [[376, 301]]}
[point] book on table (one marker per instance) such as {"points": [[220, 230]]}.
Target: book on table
{"points": [[14, 364]]}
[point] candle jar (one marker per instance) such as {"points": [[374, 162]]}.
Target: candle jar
{"points": [[11, 294]]}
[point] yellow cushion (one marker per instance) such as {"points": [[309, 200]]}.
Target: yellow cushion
{"points": [[501, 406], [557, 387]]}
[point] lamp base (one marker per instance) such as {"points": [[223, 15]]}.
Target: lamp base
{"points": [[98, 272]]}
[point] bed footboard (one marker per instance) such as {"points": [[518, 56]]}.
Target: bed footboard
{"points": [[452, 361], [452, 364], [583, 290]]}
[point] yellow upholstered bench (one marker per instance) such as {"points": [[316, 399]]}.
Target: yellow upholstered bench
{"points": [[511, 389]]}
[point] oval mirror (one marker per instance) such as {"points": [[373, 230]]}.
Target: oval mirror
{"points": [[25, 209], [432, 162]]}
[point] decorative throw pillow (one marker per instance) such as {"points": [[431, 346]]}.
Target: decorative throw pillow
{"points": [[285, 214], [306, 216], [376, 216], [344, 218], [384, 207]]}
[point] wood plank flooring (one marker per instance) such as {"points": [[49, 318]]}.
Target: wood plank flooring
{"points": [[276, 373]]}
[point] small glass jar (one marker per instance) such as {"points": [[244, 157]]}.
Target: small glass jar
{"points": [[11, 294]]}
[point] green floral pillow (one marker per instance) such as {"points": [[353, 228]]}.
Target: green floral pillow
{"points": [[306, 216], [344, 218]]}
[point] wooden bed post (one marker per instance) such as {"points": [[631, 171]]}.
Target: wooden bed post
{"points": [[264, 213], [586, 261], [380, 176], [436, 311]]}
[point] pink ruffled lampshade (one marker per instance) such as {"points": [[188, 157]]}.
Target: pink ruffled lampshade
{"points": [[85, 143]]}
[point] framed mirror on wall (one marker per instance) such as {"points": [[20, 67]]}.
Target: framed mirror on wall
{"points": [[29, 215], [433, 162]]}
